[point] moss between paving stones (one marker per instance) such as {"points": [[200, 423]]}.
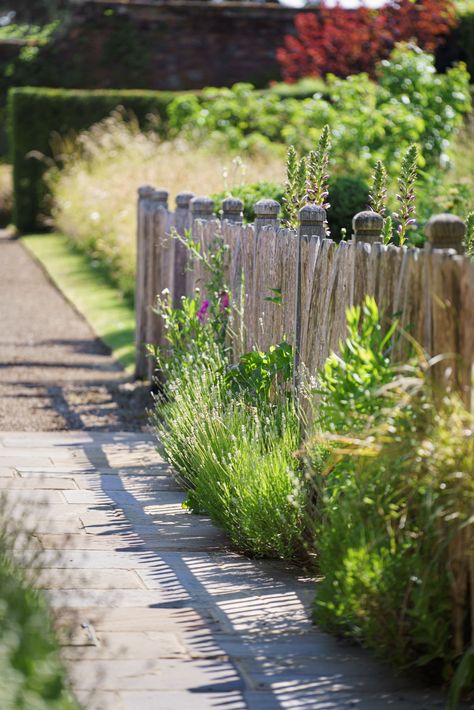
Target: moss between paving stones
{"points": [[110, 316]]}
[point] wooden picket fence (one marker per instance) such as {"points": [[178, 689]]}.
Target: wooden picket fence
{"points": [[298, 285]]}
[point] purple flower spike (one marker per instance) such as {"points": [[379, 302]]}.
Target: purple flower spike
{"points": [[224, 300], [201, 314]]}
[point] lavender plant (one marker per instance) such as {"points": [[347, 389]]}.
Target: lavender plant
{"points": [[407, 195]]}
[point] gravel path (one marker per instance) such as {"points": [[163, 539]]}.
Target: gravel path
{"points": [[54, 373]]}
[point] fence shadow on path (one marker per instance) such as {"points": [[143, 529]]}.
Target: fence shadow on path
{"points": [[242, 625]]}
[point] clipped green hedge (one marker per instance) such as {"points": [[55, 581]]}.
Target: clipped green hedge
{"points": [[35, 113]]}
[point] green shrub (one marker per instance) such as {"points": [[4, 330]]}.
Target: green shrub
{"points": [[31, 672], [348, 195], [465, 37], [236, 459], [392, 477], [410, 103], [388, 524], [250, 194], [35, 114], [459, 45], [350, 382]]}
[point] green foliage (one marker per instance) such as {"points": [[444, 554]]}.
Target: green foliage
{"points": [[395, 498], [349, 385], [236, 459], [188, 331], [463, 36], [231, 442], [463, 679], [36, 114], [199, 321], [257, 371], [470, 234], [35, 33], [30, 667], [370, 121], [406, 193], [252, 193], [392, 479], [387, 230], [348, 195]]}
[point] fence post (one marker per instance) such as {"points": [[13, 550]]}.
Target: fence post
{"points": [[312, 221], [145, 193], [368, 227], [446, 231], [160, 197], [232, 210], [266, 214], [158, 270], [182, 223], [202, 208]]}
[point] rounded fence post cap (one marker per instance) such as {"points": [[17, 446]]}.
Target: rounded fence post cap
{"points": [[368, 221], [445, 229], [232, 204], [161, 196], [145, 191], [184, 198], [267, 208], [312, 214], [202, 205]]}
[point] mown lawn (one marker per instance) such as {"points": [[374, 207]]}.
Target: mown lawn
{"points": [[109, 314]]}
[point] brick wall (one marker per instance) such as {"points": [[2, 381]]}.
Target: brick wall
{"points": [[168, 45]]}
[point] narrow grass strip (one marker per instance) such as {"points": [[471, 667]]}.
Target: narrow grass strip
{"points": [[110, 316]]}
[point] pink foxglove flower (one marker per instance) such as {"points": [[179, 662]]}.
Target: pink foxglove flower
{"points": [[224, 301], [202, 312]]}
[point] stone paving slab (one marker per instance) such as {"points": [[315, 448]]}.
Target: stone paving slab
{"points": [[154, 609]]}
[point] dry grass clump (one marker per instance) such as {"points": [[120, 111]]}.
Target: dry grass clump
{"points": [[95, 183], [6, 194]]}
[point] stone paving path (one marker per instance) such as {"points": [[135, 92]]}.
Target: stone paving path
{"points": [[155, 612]]}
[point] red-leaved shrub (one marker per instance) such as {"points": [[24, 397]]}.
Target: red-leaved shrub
{"points": [[340, 41]]}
